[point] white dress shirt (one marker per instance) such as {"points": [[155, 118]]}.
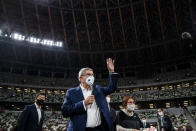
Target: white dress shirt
{"points": [[38, 112], [93, 112]]}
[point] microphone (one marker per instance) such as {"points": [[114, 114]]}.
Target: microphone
{"points": [[93, 89]]}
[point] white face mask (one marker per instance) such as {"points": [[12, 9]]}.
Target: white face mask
{"points": [[131, 107], [108, 99], [90, 80], [160, 113], [144, 121]]}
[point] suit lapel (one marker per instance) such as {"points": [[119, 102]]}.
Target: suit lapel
{"points": [[97, 99], [35, 113], [79, 93], [95, 93], [103, 106]]}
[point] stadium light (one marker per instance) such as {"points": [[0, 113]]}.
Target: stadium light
{"points": [[50, 43], [44, 42], [17, 36], [31, 39], [0, 32], [59, 44]]}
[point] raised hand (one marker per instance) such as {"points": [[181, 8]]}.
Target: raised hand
{"points": [[110, 65]]}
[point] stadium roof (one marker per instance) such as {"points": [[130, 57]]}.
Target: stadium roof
{"points": [[141, 35]]}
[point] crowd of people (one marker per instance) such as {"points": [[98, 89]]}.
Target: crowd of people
{"points": [[11, 94], [54, 121], [86, 107], [157, 94]]}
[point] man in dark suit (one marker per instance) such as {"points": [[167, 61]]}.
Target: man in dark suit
{"points": [[164, 121], [86, 105], [31, 118], [144, 123]]}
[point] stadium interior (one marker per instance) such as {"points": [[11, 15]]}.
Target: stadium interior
{"points": [[44, 44]]}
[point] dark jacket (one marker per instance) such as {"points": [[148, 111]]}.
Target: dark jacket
{"points": [[73, 106], [146, 125], [113, 118], [165, 123], [130, 122], [28, 120]]}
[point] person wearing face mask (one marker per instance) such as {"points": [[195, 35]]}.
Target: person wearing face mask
{"points": [[32, 117], [164, 121], [145, 124], [112, 113], [127, 119], [86, 104]]}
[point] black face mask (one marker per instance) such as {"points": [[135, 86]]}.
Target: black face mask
{"points": [[40, 102]]}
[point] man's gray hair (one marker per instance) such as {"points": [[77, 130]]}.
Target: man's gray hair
{"points": [[82, 71]]}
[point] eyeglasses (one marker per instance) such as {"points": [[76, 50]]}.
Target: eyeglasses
{"points": [[131, 102], [88, 74]]}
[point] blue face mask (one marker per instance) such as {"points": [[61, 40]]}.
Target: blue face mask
{"points": [[131, 107]]}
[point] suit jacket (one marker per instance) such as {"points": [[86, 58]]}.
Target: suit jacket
{"points": [[167, 124], [113, 118], [73, 106], [28, 120], [147, 125]]}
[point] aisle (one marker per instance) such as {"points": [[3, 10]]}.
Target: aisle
{"points": [[190, 119]]}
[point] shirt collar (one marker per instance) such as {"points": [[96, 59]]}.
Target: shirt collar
{"points": [[127, 113], [84, 89], [38, 107]]}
